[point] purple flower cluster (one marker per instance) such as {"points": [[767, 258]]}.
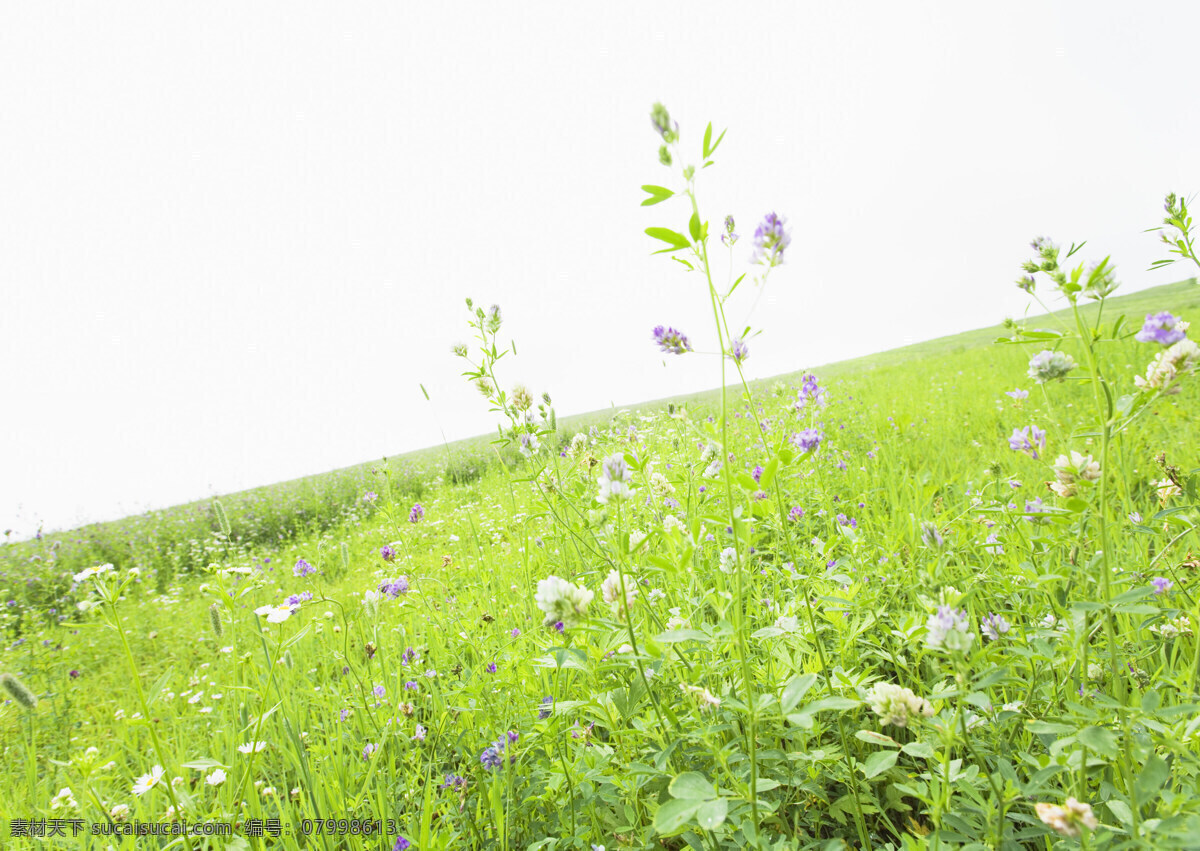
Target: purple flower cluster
{"points": [[670, 340], [810, 391], [387, 552], [1017, 394], [416, 514], [546, 707], [808, 439], [303, 569], [796, 513], [1029, 439], [294, 600], [1161, 328], [493, 756], [738, 350], [770, 241], [394, 587]]}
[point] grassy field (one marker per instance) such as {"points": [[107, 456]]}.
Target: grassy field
{"points": [[898, 637]]}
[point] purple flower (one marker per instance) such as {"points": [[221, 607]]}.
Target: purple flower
{"points": [[1161, 328], [395, 587], [303, 569], [490, 758], [491, 668], [411, 686], [546, 708], [729, 237], [1018, 393], [453, 781], [386, 552], [294, 600], [993, 626], [559, 626], [1029, 440], [670, 340], [796, 513], [74, 674], [368, 750], [808, 439], [756, 473], [738, 350], [379, 691], [370, 496], [401, 844], [419, 733], [809, 391], [416, 514], [770, 241], [1161, 584], [515, 633]]}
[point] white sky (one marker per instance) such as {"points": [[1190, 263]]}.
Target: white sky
{"points": [[236, 236]]}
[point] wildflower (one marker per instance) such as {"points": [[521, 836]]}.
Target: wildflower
{"points": [[387, 553], [419, 734], [303, 569], [728, 560], [275, 614], [993, 545], [1173, 627], [1017, 394], [515, 633], [949, 629], [807, 439], [522, 399], [119, 812], [931, 536], [546, 707], [1070, 471], [454, 781], [1050, 365], [770, 241], [1166, 489], [610, 590], [401, 844], [65, 799], [416, 513], [993, 626], [705, 698], [787, 623], [1169, 366], [562, 602], [379, 691], [1162, 328], [896, 705], [148, 781], [19, 692], [671, 341], [252, 747], [1161, 585], [493, 318], [1067, 818], [795, 513], [1036, 506], [393, 588], [614, 475], [810, 391], [660, 119], [1135, 517], [370, 496], [93, 571], [216, 778], [738, 350], [729, 238], [369, 749], [1028, 439]]}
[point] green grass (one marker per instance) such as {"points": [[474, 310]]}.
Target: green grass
{"points": [[634, 754]]}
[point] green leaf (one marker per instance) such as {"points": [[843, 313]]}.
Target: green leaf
{"points": [[879, 762], [920, 749], [692, 786], [1152, 778], [674, 240], [694, 227], [203, 764], [672, 636], [794, 691], [712, 813], [674, 814], [658, 194], [874, 738], [1100, 739], [424, 392], [707, 139], [1121, 810]]}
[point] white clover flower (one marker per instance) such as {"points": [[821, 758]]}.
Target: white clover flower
{"points": [[1049, 365], [614, 479], [611, 591], [660, 486], [119, 812], [1169, 366], [93, 571], [896, 705], [216, 778], [729, 560], [561, 601], [148, 781], [1173, 628], [1095, 672], [656, 594], [1067, 819], [65, 799], [705, 698], [577, 445], [252, 747], [672, 523], [949, 629]]}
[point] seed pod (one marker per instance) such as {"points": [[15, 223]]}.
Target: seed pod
{"points": [[214, 620], [222, 518]]}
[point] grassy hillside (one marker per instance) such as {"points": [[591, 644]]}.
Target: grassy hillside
{"points": [[851, 616]]}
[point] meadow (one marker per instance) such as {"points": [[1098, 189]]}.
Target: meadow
{"points": [[939, 597]]}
